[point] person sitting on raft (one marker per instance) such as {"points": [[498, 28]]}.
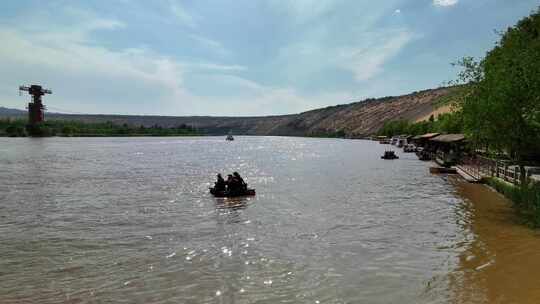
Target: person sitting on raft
{"points": [[241, 184], [231, 183], [220, 184], [235, 184]]}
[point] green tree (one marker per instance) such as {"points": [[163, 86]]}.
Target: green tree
{"points": [[502, 107], [449, 123], [395, 127]]}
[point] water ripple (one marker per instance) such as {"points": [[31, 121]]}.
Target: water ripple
{"points": [[97, 220]]}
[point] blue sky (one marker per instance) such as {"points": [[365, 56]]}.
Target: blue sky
{"points": [[238, 57]]}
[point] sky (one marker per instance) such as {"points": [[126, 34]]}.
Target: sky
{"points": [[238, 57]]}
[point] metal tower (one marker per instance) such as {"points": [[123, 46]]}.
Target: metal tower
{"points": [[35, 108]]}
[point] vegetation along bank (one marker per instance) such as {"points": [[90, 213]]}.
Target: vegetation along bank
{"points": [[19, 128], [497, 107]]}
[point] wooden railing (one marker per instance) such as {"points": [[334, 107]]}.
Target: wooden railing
{"points": [[480, 167]]}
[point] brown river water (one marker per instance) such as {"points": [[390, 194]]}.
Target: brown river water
{"points": [[130, 220]]}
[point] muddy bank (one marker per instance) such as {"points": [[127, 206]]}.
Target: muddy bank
{"points": [[501, 262]]}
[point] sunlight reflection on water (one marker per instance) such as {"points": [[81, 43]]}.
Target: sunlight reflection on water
{"points": [[130, 219]]}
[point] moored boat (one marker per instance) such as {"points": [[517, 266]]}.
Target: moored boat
{"points": [[409, 148], [424, 155]]}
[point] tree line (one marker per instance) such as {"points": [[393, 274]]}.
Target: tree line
{"points": [[498, 109], [497, 105], [20, 128], [445, 123]]}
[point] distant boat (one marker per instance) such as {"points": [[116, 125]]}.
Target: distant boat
{"points": [[229, 136]]}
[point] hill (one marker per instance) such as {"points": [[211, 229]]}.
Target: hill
{"points": [[7, 112], [353, 120]]}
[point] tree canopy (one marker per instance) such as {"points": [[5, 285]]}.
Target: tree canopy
{"points": [[502, 107]]}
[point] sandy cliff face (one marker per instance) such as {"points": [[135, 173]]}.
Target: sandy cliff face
{"points": [[362, 118], [351, 120]]}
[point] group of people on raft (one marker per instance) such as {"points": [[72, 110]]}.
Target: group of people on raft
{"points": [[234, 183]]}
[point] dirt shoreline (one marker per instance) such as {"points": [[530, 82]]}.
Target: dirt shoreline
{"points": [[500, 264]]}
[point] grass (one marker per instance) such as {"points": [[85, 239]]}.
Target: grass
{"points": [[19, 128], [525, 198], [454, 95]]}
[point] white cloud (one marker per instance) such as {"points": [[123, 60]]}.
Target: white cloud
{"points": [[398, 11], [87, 20], [256, 100], [206, 41], [368, 59], [365, 58], [105, 24], [445, 2], [92, 79], [216, 67], [182, 14], [89, 77], [239, 82], [210, 44], [303, 10], [84, 76], [288, 101]]}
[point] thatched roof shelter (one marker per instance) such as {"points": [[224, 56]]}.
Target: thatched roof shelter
{"points": [[425, 136], [448, 138]]}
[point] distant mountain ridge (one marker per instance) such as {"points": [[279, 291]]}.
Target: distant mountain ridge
{"points": [[7, 112], [357, 119]]}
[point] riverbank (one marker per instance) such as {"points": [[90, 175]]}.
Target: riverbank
{"points": [[64, 128], [520, 185], [357, 119], [456, 154], [525, 198], [497, 265]]}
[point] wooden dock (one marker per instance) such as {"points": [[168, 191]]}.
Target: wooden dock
{"points": [[467, 176], [442, 170]]}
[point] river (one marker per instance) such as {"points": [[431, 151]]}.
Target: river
{"points": [[130, 220]]}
